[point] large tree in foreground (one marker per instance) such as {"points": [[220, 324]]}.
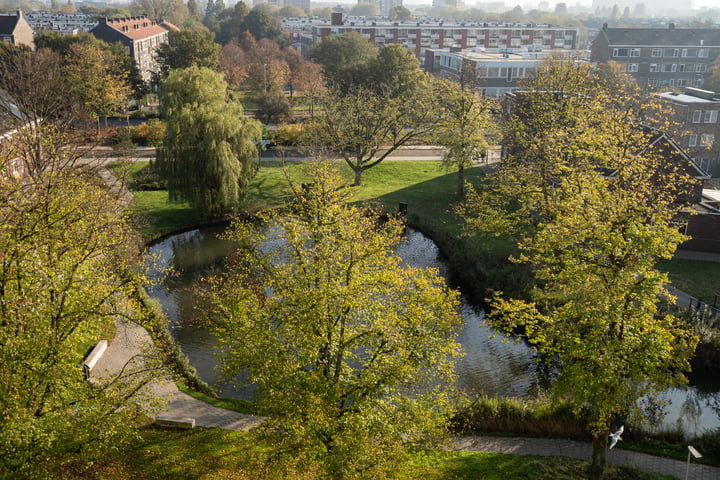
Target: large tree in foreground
{"points": [[591, 204], [350, 349], [208, 152], [66, 276]]}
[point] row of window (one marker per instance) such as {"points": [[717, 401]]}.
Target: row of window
{"points": [[676, 67], [706, 140], [709, 117], [663, 52], [671, 82]]}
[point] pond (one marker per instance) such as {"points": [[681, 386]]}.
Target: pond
{"points": [[492, 364]]}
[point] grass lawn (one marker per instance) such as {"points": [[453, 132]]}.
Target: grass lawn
{"points": [[699, 279], [218, 454]]}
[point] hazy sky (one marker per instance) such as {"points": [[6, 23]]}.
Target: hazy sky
{"points": [[528, 4]]}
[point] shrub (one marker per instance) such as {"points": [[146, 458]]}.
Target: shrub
{"points": [[148, 179], [290, 134], [518, 416], [150, 133]]}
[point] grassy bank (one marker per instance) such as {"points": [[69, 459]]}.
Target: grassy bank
{"points": [[219, 454]]}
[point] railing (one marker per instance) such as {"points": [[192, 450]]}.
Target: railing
{"points": [[710, 311]]}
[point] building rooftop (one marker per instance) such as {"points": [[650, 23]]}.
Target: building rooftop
{"points": [[671, 36], [691, 95]]}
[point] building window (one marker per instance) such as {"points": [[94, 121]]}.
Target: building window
{"points": [[657, 52], [634, 52], [671, 82], [700, 67], [697, 115], [707, 139], [702, 163], [653, 67], [681, 82], [681, 68], [673, 67], [631, 67], [702, 52], [711, 116], [684, 52], [692, 141], [620, 52]]}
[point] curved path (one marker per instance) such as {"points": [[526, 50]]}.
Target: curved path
{"points": [[131, 340]]}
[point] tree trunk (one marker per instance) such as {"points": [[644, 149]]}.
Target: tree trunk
{"points": [[461, 181], [599, 458], [358, 177]]}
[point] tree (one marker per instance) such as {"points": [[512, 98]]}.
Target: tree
{"points": [[66, 275], [292, 11], [37, 105], [561, 9], [365, 127], [175, 11], [260, 26], [597, 312], [465, 129], [712, 79], [193, 10], [99, 80], [232, 24], [208, 150], [365, 9], [186, 48], [350, 350], [399, 13], [341, 51], [591, 240], [273, 105], [234, 62]]}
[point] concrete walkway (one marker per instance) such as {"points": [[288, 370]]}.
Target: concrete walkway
{"points": [[583, 451]]}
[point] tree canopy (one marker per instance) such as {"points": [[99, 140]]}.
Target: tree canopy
{"points": [[591, 203], [186, 48], [66, 276], [341, 51], [208, 152], [350, 349]]}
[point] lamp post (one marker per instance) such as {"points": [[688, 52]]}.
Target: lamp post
{"points": [[265, 78], [696, 454]]}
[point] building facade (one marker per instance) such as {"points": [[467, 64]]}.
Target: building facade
{"points": [[421, 36], [496, 73], [15, 30], [659, 57], [140, 36], [693, 116]]}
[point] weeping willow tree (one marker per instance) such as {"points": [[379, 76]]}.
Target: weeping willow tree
{"points": [[208, 151]]}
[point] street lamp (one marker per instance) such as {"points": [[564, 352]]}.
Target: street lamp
{"points": [[696, 454], [265, 77]]}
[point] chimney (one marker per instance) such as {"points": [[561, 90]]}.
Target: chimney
{"points": [[336, 19]]}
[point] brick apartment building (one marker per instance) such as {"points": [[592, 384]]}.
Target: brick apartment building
{"points": [[659, 57]]}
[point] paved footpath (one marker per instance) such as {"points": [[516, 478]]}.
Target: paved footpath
{"points": [[132, 340]]}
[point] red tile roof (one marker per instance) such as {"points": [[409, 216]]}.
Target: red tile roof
{"points": [[136, 28]]}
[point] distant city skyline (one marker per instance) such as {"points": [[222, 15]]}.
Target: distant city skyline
{"points": [[530, 4]]}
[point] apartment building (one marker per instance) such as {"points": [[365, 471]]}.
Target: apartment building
{"points": [[497, 73], [420, 36], [693, 118], [140, 36], [659, 57]]}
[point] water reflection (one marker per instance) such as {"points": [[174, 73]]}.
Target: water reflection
{"points": [[492, 364]]}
